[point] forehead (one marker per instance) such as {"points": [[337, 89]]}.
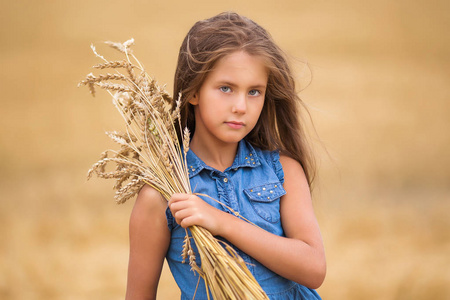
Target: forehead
{"points": [[240, 64]]}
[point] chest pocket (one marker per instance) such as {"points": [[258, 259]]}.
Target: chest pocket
{"points": [[265, 200]]}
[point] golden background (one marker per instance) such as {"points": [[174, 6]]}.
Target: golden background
{"points": [[379, 98]]}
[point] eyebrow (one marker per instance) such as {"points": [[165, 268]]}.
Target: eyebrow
{"points": [[257, 86]]}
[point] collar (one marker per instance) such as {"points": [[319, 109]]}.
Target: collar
{"points": [[246, 156]]}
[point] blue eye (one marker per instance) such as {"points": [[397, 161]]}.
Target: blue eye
{"points": [[254, 93], [225, 89]]}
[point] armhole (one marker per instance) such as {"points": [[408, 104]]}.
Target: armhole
{"points": [[170, 219], [277, 167]]}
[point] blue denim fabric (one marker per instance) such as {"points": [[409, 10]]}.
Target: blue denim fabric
{"points": [[252, 186]]}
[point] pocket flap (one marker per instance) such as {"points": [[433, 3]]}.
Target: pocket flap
{"points": [[265, 193]]}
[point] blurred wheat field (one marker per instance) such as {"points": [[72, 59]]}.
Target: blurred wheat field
{"points": [[379, 98]]}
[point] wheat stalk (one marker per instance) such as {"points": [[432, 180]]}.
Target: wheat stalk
{"points": [[151, 154]]}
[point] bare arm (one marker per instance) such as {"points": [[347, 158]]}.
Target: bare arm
{"points": [[299, 256], [149, 241]]}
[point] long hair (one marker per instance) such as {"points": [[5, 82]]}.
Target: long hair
{"points": [[279, 126]]}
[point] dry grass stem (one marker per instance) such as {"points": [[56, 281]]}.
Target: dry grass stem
{"points": [[150, 153]]}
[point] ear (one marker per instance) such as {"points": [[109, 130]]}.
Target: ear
{"points": [[194, 99]]}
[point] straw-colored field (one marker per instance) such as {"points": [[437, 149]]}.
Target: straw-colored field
{"points": [[379, 98]]}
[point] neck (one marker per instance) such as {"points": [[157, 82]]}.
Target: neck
{"points": [[218, 156]]}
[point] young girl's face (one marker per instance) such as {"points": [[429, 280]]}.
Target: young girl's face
{"points": [[231, 98]]}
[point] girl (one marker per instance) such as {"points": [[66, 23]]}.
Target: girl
{"points": [[247, 151]]}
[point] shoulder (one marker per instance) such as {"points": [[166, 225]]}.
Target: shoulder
{"points": [[289, 163], [148, 192], [293, 170], [149, 202], [150, 195]]}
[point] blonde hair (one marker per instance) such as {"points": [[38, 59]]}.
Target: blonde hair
{"points": [[279, 126]]}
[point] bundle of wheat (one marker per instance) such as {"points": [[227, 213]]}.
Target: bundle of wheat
{"points": [[150, 153]]}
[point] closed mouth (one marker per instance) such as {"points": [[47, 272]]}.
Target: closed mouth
{"points": [[235, 124]]}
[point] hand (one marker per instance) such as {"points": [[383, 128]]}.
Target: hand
{"points": [[189, 209]]}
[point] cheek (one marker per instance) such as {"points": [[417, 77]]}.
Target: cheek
{"points": [[260, 108], [256, 116], [260, 111]]}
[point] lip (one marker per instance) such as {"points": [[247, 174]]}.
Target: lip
{"points": [[235, 124]]}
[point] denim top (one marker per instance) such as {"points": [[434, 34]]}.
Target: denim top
{"points": [[252, 186]]}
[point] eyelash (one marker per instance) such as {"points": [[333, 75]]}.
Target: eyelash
{"points": [[228, 89]]}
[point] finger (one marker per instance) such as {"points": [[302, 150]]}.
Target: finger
{"points": [[188, 221], [178, 205], [176, 198], [181, 215]]}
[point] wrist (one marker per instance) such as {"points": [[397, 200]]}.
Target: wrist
{"points": [[225, 221]]}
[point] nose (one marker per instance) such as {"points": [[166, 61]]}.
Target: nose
{"points": [[240, 104]]}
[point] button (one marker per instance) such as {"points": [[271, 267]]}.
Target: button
{"points": [[225, 180]]}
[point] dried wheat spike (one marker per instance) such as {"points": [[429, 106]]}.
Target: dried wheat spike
{"points": [[120, 138], [112, 65], [90, 79], [120, 181], [186, 247], [141, 78], [122, 47], [129, 190], [176, 112], [99, 166], [115, 87], [193, 263], [165, 158], [186, 139], [129, 67]]}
